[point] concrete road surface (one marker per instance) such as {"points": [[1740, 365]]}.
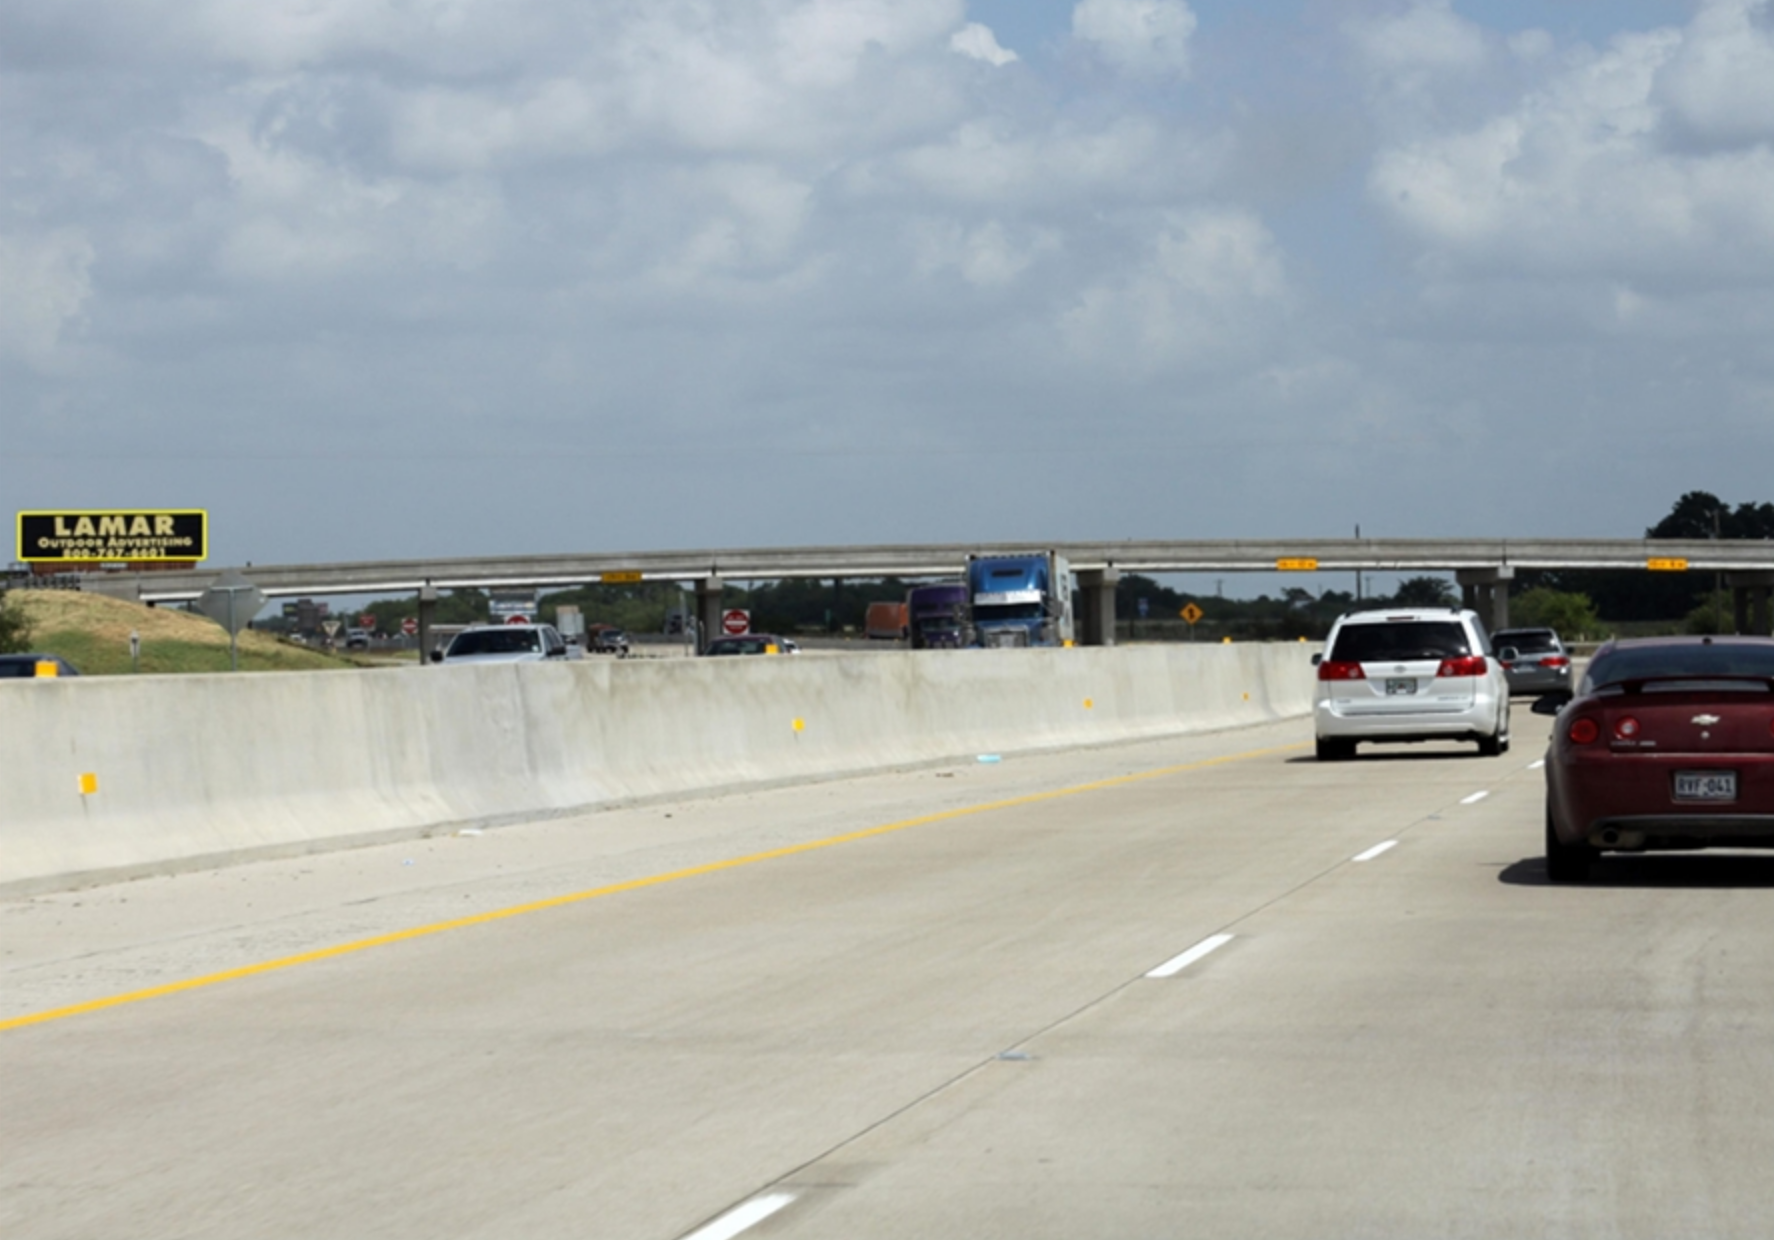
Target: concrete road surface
{"points": [[917, 1005]]}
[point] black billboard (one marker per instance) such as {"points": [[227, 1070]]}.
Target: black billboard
{"points": [[112, 536]]}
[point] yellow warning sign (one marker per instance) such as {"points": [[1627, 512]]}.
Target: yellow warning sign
{"points": [[1191, 613]]}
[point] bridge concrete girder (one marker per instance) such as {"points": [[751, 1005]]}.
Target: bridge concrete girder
{"points": [[1096, 617], [1752, 602], [708, 610], [1486, 591], [427, 606]]}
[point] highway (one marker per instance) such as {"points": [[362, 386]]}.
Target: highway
{"points": [[917, 1004]]}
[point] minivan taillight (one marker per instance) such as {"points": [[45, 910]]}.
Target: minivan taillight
{"points": [[1471, 665], [1340, 671]]}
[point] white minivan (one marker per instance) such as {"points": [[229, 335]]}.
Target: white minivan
{"points": [[1412, 674]]}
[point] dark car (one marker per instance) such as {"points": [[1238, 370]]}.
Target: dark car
{"points": [[1668, 743], [609, 641], [1541, 663], [31, 666], [752, 643]]}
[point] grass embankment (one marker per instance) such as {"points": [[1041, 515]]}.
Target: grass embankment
{"points": [[92, 632]]}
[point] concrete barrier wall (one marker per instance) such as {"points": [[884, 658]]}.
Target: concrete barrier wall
{"points": [[202, 770]]}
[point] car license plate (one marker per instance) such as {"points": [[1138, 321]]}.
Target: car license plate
{"points": [[1706, 785], [1396, 687]]}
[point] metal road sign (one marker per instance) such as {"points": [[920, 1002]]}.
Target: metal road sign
{"points": [[1191, 613], [409, 626], [1297, 564], [735, 621]]}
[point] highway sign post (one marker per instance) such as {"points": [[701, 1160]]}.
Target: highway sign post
{"points": [[736, 622], [232, 602]]}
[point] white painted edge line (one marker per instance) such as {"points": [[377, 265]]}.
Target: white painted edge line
{"points": [[740, 1217], [1176, 964], [1536, 764], [1475, 798], [1375, 851]]}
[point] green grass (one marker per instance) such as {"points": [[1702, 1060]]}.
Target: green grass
{"points": [[98, 657]]}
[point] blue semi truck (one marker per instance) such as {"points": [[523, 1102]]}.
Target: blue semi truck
{"points": [[1021, 600]]}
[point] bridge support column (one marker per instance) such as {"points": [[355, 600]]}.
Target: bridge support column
{"points": [[708, 611], [1752, 595], [427, 605], [1096, 624], [1486, 591]]}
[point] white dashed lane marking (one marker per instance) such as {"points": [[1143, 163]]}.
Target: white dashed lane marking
{"points": [[1475, 798], [741, 1217], [1176, 964], [1375, 851]]}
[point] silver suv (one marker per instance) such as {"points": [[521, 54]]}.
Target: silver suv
{"points": [[1412, 674]]}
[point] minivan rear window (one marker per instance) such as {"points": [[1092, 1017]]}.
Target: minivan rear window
{"points": [[1401, 639]]}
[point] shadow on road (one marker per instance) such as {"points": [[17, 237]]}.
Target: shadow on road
{"points": [[1719, 870], [1400, 755]]}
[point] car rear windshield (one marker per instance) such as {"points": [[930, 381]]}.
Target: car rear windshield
{"points": [[495, 641], [1401, 639], [1527, 641], [1695, 662]]}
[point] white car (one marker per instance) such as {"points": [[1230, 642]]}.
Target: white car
{"points": [[1414, 674], [503, 643]]}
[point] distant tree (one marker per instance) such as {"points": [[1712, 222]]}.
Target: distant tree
{"points": [[1571, 615], [15, 627], [1425, 592], [1707, 619]]}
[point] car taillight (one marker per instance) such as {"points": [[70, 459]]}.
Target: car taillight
{"points": [[1341, 671], [1555, 660], [1625, 729], [1583, 731], [1471, 665]]}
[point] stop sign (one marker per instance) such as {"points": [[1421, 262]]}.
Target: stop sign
{"points": [[516, 619], [366, 621], [409, 626], [735, 621]]}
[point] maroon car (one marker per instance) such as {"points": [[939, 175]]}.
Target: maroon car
{"points": [[1667, 743]]}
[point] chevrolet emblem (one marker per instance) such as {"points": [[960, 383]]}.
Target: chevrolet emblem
{"points": [[1705, 721]]}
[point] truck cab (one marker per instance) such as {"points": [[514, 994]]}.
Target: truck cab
{"points": [[1021, 600], [938, 616]]}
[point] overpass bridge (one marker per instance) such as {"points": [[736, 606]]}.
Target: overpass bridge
{"points": [[1482, 567]]}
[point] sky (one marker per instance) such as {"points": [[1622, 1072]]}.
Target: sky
{"points": [[374, 279]]}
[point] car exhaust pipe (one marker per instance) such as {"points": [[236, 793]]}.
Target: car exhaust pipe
{"points": [[1610, 837]]}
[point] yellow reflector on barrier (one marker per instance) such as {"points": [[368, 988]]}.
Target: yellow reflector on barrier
{"points": [[89, 784]]}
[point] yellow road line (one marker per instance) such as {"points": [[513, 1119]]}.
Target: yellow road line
{"points": [[636, 884]]}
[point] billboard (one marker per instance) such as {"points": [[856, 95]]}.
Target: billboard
{"points": [[113, 536]]}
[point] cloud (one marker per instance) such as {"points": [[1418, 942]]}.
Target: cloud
{"points": [[1211, 288], [1582, 176], [980, 43], [47, 278], [1141, 38], [1718, 86], [1427, 35]]}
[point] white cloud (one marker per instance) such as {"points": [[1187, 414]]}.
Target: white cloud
{"points": [[1426, 35], [47, 280], [1579, 178], [1142, 38], [1719, 84], [1211, 289], [980, 43]]}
